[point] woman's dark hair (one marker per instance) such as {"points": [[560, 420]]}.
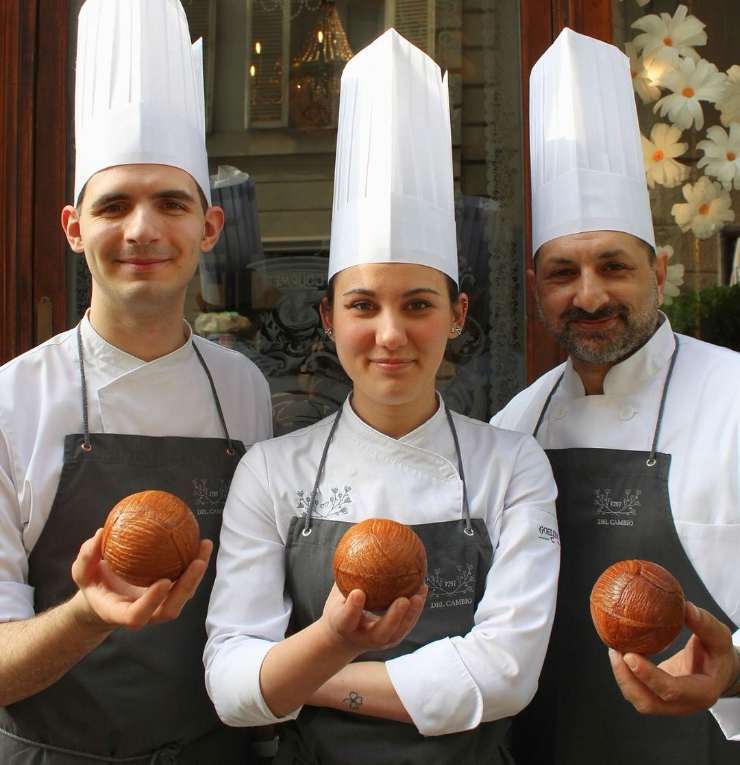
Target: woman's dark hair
{"points": [[452, 290]]}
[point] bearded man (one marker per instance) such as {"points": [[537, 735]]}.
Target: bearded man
{"points": [[642, 428]]}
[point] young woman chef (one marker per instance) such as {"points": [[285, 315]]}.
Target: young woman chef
{"points": [[435, 678]]}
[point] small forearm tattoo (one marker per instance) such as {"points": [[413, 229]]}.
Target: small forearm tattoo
{"points": [[353, 700]]}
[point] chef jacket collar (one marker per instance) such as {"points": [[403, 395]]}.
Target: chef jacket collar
{"points": [[420, 436], [114, 362], [628, 376]]}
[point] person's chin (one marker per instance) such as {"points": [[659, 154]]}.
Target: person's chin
{"points": [[394, 393], [594, 340], [605, 351], [152, 290]]}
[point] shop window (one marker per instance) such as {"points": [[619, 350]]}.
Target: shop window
{"points": [[202, 18], [296, 52], [258, 291]]}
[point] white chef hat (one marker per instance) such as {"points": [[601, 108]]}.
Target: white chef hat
{"points": [[584, 141], [393, 192], [138, 90]]}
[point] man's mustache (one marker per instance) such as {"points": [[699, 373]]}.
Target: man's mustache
{"points": [[578, 314]]}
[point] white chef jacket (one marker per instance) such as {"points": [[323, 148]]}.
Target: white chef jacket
{"points": [[451, 684], [700, 430], [41, 402]]}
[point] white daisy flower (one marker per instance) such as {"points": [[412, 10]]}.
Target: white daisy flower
{"points": [[674, 274], [659, 154], [707, 209], [721, 157], [729, 102], [667, 37], [691, 83], [655, 69], [641, 80]]}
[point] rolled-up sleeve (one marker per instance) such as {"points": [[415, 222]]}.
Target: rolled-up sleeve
{"points": [[16, 595], [727, 711], [457, 683], [248, 594]]}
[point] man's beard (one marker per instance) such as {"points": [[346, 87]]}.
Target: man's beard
{"points": [[632, 330]]}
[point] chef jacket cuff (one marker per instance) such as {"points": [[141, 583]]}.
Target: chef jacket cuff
{"points": [[727, 711], [727, 714], [436, 689], [233, 681], [16, 601]]}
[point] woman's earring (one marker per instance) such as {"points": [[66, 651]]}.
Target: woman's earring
{"points": [[456, 331], [329, 332]]}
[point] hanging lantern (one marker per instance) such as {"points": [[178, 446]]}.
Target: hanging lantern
{"points": [[315, 73]]}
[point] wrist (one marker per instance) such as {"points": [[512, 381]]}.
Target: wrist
{"points": [[85, 617], [733, 689], [334, 645]]}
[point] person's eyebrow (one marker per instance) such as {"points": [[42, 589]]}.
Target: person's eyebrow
{"points": [[560, 261], [120, 196], [175, 194], [563, 260], [408, 293], [106, 199], [418, 290], [613, 254]]}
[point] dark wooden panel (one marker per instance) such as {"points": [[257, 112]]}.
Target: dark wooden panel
{"points": [[9, 33], [539, 27], [593, 18], [590, 17], [541, 22], [16, 149], [52, 123], [33, 135]]}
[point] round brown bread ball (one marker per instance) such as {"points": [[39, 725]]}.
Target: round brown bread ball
{"points": [[383, 558], [150, 535], [637, 607]]}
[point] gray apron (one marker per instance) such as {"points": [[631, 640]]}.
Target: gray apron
{"points": [[322, 736], [140, 696], [612, 505]]}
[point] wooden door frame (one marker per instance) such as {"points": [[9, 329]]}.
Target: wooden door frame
{"points": [[541, 21], [34, 132]]}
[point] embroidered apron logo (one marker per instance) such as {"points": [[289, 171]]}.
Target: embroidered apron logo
{"points": [[445, 591], [618, 510], [209, 497], [548, 534], [336, 504]]}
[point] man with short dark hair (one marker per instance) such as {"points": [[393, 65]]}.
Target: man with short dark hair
{"points": [[93, 669], [642, 428]]}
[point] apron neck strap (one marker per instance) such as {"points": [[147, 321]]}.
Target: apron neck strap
{"points": [[312, 501], [309, 511], [654, 448], [466, 507], [216, 400], [547, 404], [650, 462], [87, 445]]}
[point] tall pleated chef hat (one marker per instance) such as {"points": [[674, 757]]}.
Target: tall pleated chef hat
{"points": [[584, 140], [138, 90], [393, 189]]}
